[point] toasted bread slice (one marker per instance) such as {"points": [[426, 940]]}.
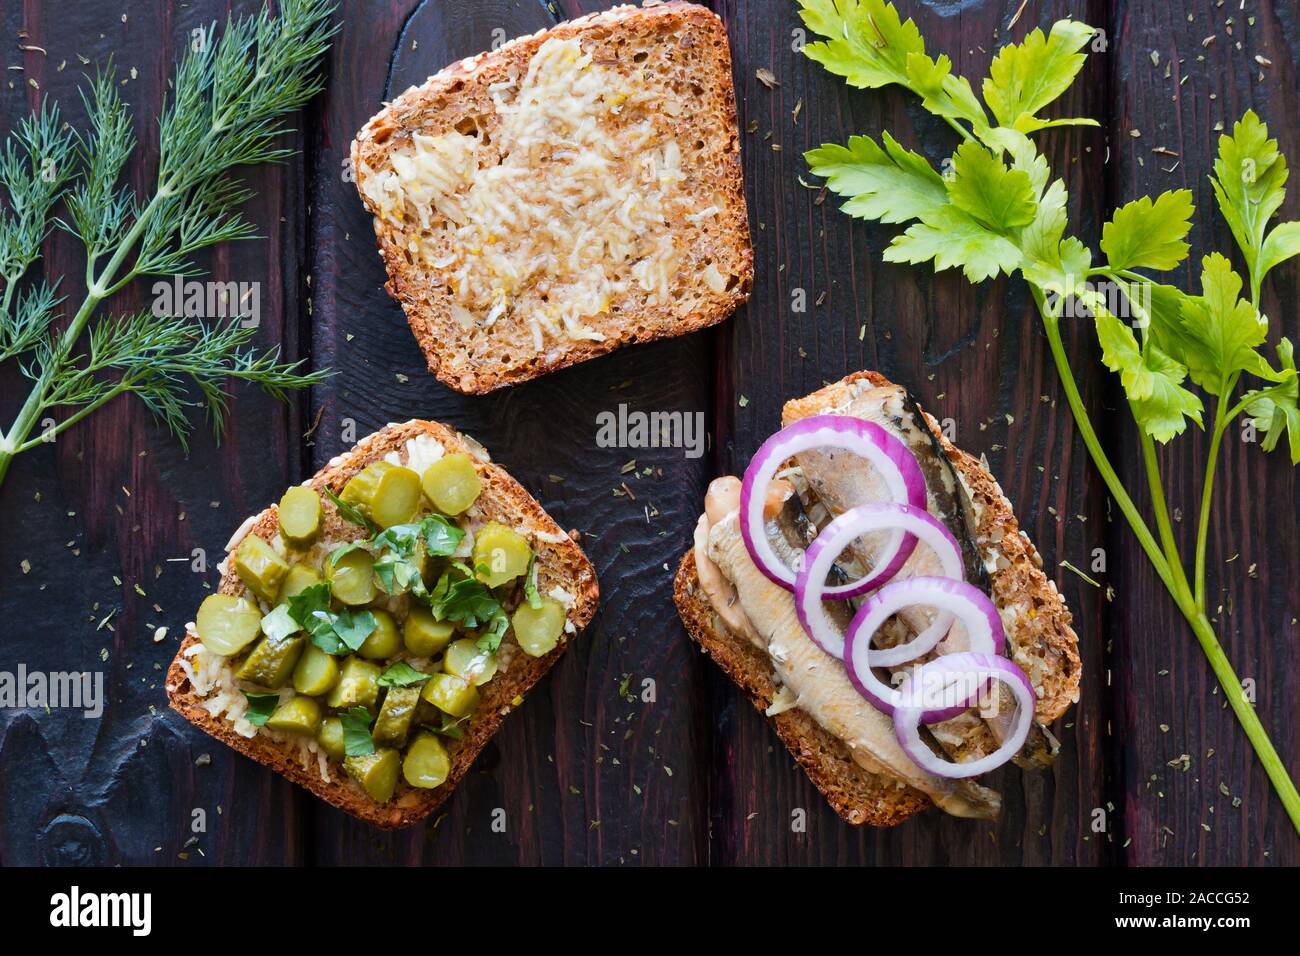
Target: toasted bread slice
{"points": [[569, 193], [560, 564], [857, 795], [1043, 642]]}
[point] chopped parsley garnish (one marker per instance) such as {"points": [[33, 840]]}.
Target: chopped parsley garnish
{"points": [[530, 584], [357, 741], [401, 674], [398, 569], [260, 707], [334, 632], [461, 598]]}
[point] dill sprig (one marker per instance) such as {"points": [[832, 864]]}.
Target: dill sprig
{"points": [[232, 96]]}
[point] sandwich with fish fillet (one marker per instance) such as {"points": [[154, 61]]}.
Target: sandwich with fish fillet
{"points": [[868, 587]]}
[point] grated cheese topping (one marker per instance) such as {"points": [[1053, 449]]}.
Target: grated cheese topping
{"points": [[572, 220]]}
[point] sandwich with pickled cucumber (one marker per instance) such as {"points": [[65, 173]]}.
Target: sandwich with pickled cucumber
{"points": [[373, 628], [868, 587]]}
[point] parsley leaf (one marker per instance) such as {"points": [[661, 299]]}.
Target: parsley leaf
{"points": [[1279, 245], [352, 513], [490, 639], [260, 707], [982, 186], [440, 535], [398, 569], [352, 627], [401, 674], [952, 238], [460, 597], [866, 41], [1273, 410], [357, 741], [332, 632], [891, 185], [1220, 330], [397, 574], [1164, 412], [1025, 77], [1249, 183], [943, 92], [530, 584], [1152, 380], [1149, 235]]}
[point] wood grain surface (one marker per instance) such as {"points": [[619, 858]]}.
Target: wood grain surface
{"points": [[635, 750]]}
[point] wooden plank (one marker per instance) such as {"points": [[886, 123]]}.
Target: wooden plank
{"points": [[583, 775], [974, 355], [1219, 809], [101, 513]]}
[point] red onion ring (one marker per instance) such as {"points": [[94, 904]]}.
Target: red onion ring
{"points": [[810, 584], [979, 668], [889, 456], [966, 602]]}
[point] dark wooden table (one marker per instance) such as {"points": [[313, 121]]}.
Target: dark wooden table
{"points": [[99, 530]]}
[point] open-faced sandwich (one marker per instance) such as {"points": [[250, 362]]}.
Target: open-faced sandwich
{"points": [[870, 590], [563, 195], [371, 630]]}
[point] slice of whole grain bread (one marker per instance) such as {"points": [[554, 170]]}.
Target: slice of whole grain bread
{"points": [[1043, 643], [677, 51], [560, 563]]}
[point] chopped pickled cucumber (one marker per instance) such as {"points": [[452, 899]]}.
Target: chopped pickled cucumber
{"points": [[316, 673], [260, 568], [538, 630], [423, 635], [384, 641], [358, 685], [500, 554], [376, 772], [450, 694], [226, 624], [300, 516], [297, 715], [330, 737], [465, 659], [395, 716], [272, 661], [389, 494], [300, 578], [451, 483], [426, 764], [352, 577]]}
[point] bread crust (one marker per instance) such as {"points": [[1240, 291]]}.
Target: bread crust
{"points": [[1046, 634], [561, 562], [437, 105]]}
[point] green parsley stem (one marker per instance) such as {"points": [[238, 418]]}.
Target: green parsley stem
{"points": [[1242, 707], [1052, 326], [961, 130], [1174, 578], [1151, 466], [1221, 421]]}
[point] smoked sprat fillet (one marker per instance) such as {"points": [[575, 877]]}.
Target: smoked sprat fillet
{"points": [[870, 782], [561, 569], [569, 193]]}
